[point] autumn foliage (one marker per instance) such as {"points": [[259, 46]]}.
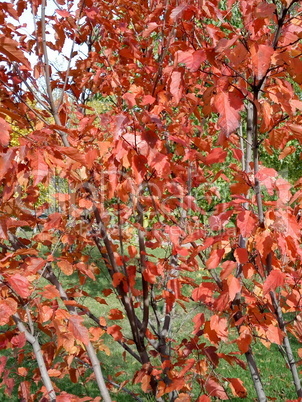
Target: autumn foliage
{"points": [[161, 125]]}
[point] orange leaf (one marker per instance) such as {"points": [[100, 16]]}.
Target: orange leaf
{"points": [[54, 373], [115, 314], [132, 251], [198, 322], [287, 151], [8, 307], [246, 223], [276, 278], [228, 106], [234, 286], [217, 155], [76, 327], [65, 266], [274, 334], [214, 260], [237, 387], [50, 292], [19, 340], [261, 59], [117, 278], [220, 326], [54, 221], [9, 47], [4, 132], [82, 267], [115, 332], [19, 284], [35, 264], [214, 389], [241, 255], [244, 341], [176, 87], [146, 383]]}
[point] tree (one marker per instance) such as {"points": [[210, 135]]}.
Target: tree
{"points": [[194, 93]]}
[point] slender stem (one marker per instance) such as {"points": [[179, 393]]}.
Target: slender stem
{"points": [[53, 107], [145, 285], [33, 340]]}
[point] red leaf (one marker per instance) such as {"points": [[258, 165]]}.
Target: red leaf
{"points": [[267, 177], [241, 255], [3, 228], [220, 326], [198, 322], [214, 389], [6, 162], [204, 292], [246, 222], [9, 47], [8, 307], [117, 278], [175, 233], [287, 151], [73, 154], [139, 167], [185, 57], [148, 100], [40, 168], [150, 28], [214, 260], [283, 187], [244, 341], [132, 251], [115, 332], [276, 278], [198, 234], [4, 132], [19, 340], [78, 330], [237, 387], [264, 242], [274, 334], [177, 11], [191, 59], [234, 286], [115, 314], [261, 59], [63, 13], [54, 221], [176, 87], [35, 264], [50, 292], [19, 284], [228, 106], [199, 56], [227, 268], [215, 156], [82, 267], [65, 266], [54, 373]]}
